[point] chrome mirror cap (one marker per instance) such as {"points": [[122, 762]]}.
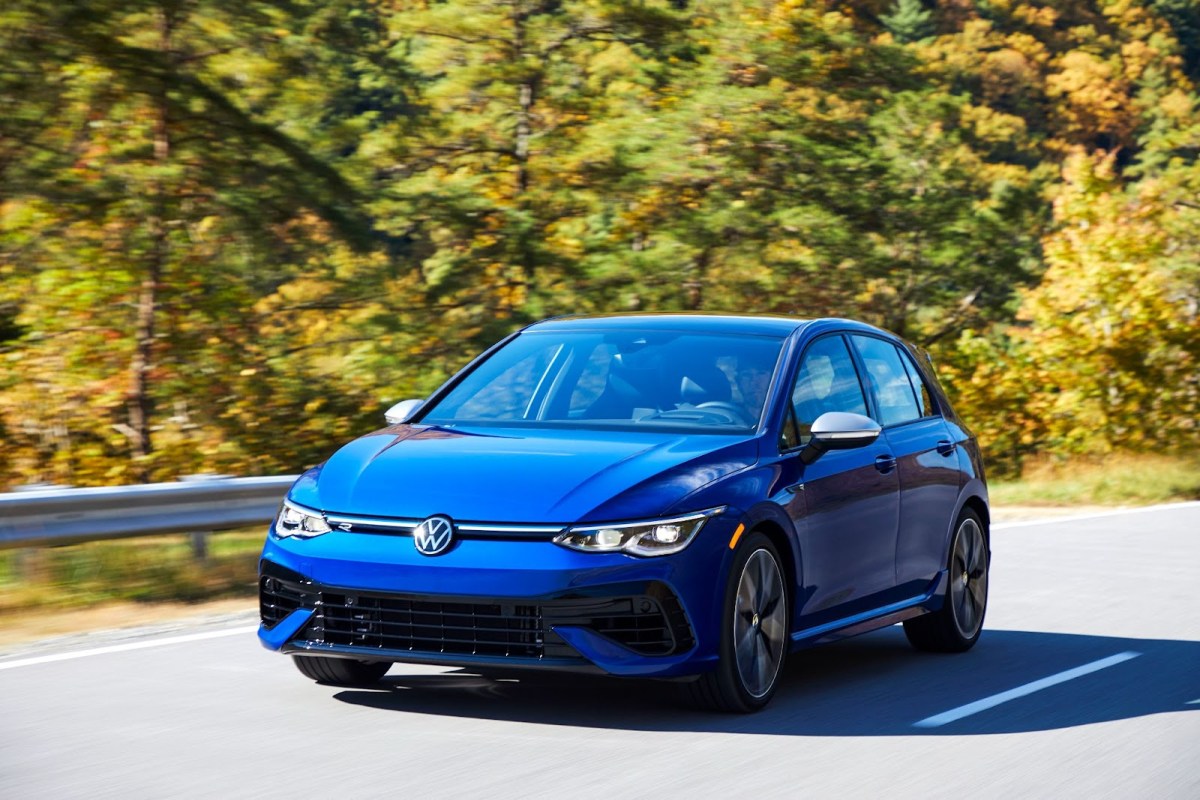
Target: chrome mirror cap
{"points": [[839, 430], [402, 411], [843, 430]]}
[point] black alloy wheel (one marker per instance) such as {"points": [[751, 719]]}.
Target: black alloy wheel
{"points": [[754, 639], [956, 627]]}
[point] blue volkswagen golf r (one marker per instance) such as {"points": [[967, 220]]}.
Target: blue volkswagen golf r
{"points": [[671, 496]]}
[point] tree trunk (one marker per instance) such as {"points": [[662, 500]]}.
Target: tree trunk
{"points": [[139, 405], [524, 131], [526, 96]]}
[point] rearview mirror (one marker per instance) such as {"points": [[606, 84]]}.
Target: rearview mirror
{"points": [[839, 430], [402, 411]]}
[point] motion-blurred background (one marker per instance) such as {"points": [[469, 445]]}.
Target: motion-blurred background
{"points": [[233, 232]]}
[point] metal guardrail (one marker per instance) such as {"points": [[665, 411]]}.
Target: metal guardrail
{"points": [[198, 505]]}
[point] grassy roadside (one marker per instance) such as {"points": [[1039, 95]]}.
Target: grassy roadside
{"points": [[159, 569], [130, 582], [1120, 480]]}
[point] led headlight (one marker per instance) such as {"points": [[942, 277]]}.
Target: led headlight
{"points": [[656, 537], [303, 523]]}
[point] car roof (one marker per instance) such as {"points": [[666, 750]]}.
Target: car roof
{"points": [[695, 322]]}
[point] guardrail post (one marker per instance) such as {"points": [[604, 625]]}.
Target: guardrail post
{"points": [[200, 538], [27, 564], [199, 545]]}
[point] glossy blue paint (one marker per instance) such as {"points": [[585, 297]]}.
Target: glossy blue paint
{"points": [[865, 544], [545, 476], [276, 637]]}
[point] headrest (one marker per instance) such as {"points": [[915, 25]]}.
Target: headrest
{"points": [[704, 384]]}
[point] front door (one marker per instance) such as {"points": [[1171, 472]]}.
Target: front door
{"points": [[847, 513]]}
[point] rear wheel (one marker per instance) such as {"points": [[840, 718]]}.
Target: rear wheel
{"points": [[956, 627], [754, 633], [342, 671]]}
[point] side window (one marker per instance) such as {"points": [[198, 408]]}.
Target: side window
{"points": [[826, 381], [924, 399], [887, 381]]}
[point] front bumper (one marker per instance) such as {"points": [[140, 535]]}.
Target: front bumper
{"points": [[498, 603]]}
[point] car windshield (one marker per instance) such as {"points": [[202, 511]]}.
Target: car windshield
{"points": [[629, 380]]}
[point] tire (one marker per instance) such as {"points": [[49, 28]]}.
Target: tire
{"points": [[956, 626], [342, 671], [754, 615]]}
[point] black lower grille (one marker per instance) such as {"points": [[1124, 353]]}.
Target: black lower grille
{"points": [[651, 622], [280, 592], [407, 623]]}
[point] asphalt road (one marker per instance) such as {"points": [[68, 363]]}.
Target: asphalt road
{"points": [[1086, 683]]}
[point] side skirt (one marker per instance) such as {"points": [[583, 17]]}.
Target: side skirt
{"points": [[866, 621]]}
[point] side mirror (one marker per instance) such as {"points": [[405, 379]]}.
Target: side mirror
{"points": [[402, 411], [839, 430]]}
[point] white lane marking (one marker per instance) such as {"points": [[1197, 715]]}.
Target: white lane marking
{"points": [[1029, 688], [121, 648], [1097, 515]]}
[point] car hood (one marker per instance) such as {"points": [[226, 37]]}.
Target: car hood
{"points": [[505, 475]]}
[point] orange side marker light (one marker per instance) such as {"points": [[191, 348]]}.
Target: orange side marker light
{"points": [[736, 535]]}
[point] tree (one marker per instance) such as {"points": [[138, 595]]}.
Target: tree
{"points": [[148, 204], [1112, 337], [909, 21]]}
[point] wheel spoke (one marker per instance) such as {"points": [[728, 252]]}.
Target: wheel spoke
{"points": [[965, 613], [972, 534], [763, 665], [978, 589], [746, 592], [772, 628], [973, 609], [745, 648], [763, 578]]}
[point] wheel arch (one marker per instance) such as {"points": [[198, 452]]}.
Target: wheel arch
{"points": [[976, 503], [790, 557]]}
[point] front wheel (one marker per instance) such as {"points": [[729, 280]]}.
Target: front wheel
{"points": [[956, 626], [342, 671], [754, 635]]}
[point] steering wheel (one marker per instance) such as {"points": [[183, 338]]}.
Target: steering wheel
{"points": [[736, 414]]}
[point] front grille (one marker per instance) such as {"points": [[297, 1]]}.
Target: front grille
{"points": [[395, 526], [651, 623]]}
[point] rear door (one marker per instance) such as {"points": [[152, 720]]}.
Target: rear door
{"points": [[926, 462]]}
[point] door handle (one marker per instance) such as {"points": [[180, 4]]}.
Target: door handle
{"points": [[946, 447], [885, 463]]}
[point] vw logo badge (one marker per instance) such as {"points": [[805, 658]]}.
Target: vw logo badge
{"points": [[433, 535]]}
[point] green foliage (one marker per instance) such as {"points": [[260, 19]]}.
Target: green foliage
{"points": [[232, 233], [909, 21]]}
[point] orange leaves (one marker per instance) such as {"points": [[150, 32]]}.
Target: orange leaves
{"points": [[1094, 99], [1114, 340]]}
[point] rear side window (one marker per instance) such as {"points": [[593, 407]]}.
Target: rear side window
{"points": [[924, 398], [887, 381]]}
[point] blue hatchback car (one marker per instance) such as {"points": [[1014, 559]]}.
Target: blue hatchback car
{"points": [[672, 496]]}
